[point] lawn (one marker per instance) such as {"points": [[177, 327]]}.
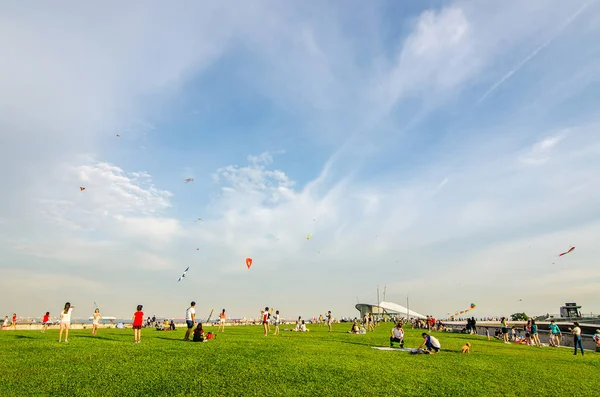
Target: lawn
{"points": [[243, 362]]}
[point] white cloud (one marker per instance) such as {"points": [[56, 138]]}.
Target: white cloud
{"points": [[541, 151]]}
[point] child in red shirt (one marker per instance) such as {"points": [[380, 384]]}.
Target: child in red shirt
{"points": [[45, 321], [138, 320]]}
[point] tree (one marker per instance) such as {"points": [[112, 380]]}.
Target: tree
{"points": [[519, 317]]}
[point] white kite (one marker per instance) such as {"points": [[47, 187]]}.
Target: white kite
{"points": [[184, 273]]}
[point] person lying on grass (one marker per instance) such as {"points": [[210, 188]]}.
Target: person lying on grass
{"points": [[430, 342]]}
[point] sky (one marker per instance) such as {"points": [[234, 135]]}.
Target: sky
{"points": [[447, 151]]}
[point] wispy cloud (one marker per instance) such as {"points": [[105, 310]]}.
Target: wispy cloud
{"points": [[529, 57]]}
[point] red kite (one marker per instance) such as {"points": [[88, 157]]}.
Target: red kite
{"points": [[248, 262], [81, 188], [568, 252]]}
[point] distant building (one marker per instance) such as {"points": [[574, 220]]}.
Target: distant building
{"points": [[387, 309]]}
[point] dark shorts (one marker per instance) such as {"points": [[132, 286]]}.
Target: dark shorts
{"points": [[190, 324], [505, 330], [137, 327]]}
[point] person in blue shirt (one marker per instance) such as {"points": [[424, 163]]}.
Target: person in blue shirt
{"points": [[431, 343], [555, 332], [534, 334]]}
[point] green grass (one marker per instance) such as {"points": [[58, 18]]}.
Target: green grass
{"points": [[243, 362]]}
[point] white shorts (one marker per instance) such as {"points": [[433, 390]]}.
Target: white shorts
{"points": [[95, 323], [222, 321], [65, 324]]}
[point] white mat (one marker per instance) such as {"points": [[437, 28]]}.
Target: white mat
{"points": [[401, 349]]}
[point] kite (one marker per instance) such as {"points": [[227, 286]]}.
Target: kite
{"points": [[197, 249], [308, 237], [568, 252], [184, 273], [248, 262], [198, 220], [118, 135], [81, 188], [188, 180], [472, 307]]}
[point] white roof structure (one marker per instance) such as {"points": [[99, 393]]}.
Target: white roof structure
{"points": [[387, 307]]}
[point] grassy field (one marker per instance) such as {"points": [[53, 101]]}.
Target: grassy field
{"points": [[243, 362]]}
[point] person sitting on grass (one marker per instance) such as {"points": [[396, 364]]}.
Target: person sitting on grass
{"points": [[198, 333], [303, 327], [397, 335], [354, 329], [597, 338], [431, 343]]}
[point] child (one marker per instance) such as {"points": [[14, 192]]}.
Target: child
{"points": [[198, 333], [265, 321], [45, 321], [96, 321], [65, 321], [277, 322], [138, 320]]}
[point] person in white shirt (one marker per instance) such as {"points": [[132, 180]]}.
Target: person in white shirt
{"points": [[277, 322], [96, 321], [576, 331], [397, 335], [190, 318], [303, 327], [329, 320], [431, 343], [65, 321]]}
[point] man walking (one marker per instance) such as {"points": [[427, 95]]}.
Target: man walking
{"points": [[190, 317]]}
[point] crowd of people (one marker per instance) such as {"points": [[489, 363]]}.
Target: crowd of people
{"points": [[366, 323]]}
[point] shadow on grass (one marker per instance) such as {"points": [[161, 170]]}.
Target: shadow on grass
{"points": [[351, 343], [97, 337], [171, 339], [23, 337]]}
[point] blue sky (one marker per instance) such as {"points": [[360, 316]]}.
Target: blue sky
{"points": [[446, 149]]}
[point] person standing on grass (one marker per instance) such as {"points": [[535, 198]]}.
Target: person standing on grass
{"points": [[96, 321], [222, 318], [487, 333], [504, 325], [329, 320], [397, 335], [277, 322], [190, 318], [534, 334], [65, 321], [555, 332], [45, 321], [576, 331], [138, 321], [13, 325], [371, 323], [265, 320]]}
